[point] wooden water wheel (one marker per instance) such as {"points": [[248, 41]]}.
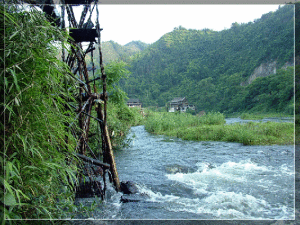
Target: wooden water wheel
{"points": [[88, 97]]}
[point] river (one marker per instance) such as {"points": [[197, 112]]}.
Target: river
{"points": [[180, 179], [274, 119]]}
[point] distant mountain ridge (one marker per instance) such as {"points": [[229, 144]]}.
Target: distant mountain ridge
{"points": [[114, 51]]}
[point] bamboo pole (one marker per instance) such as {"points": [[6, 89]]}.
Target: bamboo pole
{"points": [[108, 155]]}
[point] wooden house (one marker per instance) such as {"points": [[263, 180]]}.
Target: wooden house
{"points": [[180, 104], [134, 102]]}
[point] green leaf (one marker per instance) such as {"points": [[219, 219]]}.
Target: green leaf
{"points": [[17, 101], [14, 34], [9, 199], [5, 82], [15, 79], [7, 186]]}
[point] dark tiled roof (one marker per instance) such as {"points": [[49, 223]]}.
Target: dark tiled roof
{"points": [[133, 100], [177, 100]]}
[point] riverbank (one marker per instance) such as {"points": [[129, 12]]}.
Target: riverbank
{"points": [[121, 119], [212, 127]]}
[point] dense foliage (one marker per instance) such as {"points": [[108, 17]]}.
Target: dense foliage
{"points": [[273, 92], [39, 165], [119, 116], [212, 69]]}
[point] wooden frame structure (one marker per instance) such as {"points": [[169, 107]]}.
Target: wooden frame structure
{"points": [[87, 91], [86, 94]]}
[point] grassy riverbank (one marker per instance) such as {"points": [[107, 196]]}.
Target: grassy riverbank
{"points": [[212, 127], [121, 118]]}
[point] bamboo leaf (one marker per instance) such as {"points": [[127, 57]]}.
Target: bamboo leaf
{"points": [[9, 199], [17, 101], [14, 34], [9, 109], [15, 79], [18, 192], [5, 82], [32, 167], [8, 186], [9, 17]]}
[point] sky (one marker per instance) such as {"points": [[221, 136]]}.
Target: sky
{"points": [[147, 23]]}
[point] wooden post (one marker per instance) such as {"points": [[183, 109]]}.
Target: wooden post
{"points": [[111, 158], [108, 155], [93, 161]]}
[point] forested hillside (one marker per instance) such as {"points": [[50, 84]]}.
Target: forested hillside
{"points": [[212, 69], [113, 51]]}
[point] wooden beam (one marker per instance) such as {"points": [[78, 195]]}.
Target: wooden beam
{"points": [[108, 155], [93, 161]]}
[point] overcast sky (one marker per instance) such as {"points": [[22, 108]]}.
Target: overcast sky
{"points": [[147, 23]]}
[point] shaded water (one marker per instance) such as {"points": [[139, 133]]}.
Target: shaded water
{"points": [[202, 180], [281, 120]]}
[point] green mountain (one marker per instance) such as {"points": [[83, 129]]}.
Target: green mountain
{"points": [[114, 51], [220, 71]]}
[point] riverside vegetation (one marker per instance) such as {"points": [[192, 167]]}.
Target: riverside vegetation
{"points": [[38, 166], [120, 116], [212, 127], [35, 171]]}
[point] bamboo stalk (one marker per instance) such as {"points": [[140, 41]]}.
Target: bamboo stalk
{"points": [[108, 155]]}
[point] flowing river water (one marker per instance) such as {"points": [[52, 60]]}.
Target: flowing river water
{"points": [[179, 179]]}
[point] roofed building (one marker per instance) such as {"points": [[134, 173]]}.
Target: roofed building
{"points": [[180, 104], [134, 102]]}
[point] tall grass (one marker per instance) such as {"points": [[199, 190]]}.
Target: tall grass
{"points": [[165, 122], [212, 127], [121, 118], [248, 134], [38, 164]]}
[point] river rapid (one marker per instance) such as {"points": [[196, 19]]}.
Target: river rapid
{"points": [[179, 179]]}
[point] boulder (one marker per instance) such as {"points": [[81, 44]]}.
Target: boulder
{"points": [[128, 187]]}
